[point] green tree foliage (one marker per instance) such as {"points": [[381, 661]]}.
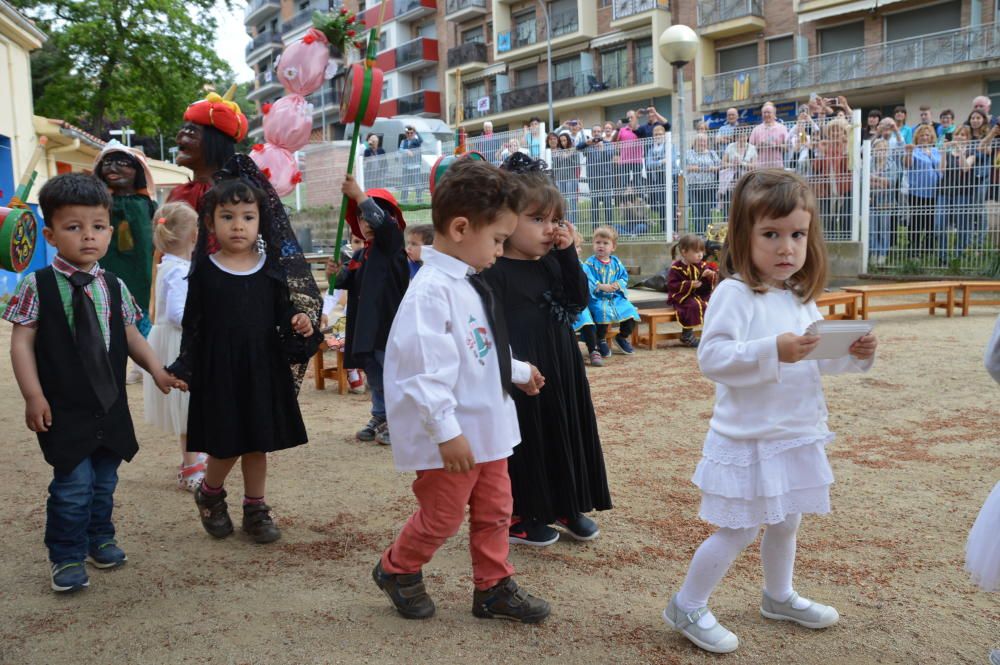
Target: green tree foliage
{"points": [[136, 62]]}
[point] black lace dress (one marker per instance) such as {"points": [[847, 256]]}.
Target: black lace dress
{"points": [[558, 468]]}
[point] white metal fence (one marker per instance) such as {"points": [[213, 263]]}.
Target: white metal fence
{"points": [[915, 209]]}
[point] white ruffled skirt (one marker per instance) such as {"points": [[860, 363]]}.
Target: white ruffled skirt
{"points": [[168, 412], [982, 551], [749, 482]]}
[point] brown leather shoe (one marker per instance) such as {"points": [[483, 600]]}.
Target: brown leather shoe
{"points": [[508, 601], [406, 593], [257, 522]]}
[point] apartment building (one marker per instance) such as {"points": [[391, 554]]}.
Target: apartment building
{"points": [[272, 25], [408, 55], [878, 53], [604, 59]]}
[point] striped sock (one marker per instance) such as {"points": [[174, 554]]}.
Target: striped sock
{"points": [[252, 500], [208, 490]]}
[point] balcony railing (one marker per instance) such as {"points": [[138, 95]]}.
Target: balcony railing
{"points": [[329, 96], [417, 103], [454, 6], [466, 53], [563, 23], [411, 9], [717, 11], [419, 51], [578, 84], [298, 21], [838, 69], [260, 41], [624, 8], [257, 9]]}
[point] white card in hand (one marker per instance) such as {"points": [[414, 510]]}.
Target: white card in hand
{"points": [[836, 337]]}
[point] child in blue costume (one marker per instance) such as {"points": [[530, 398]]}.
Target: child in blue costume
{"points": [[608, 282]]}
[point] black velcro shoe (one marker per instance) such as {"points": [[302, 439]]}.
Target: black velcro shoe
{"points": [[506, 600], [406, 593], [214, 512], [257, 522]]}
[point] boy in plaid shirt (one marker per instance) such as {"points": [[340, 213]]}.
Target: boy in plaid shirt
{"points": [[74, 327]]}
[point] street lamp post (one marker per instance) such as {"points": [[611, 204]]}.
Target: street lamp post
{"points": [[548, 57], [679, 46]]}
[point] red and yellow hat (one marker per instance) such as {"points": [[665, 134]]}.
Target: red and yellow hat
{"points": [[220, 112]]}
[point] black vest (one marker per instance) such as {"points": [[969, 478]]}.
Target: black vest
{"points": [[79, 425]]}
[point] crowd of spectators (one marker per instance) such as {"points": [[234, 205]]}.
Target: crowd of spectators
{"points": [[935, 183]]}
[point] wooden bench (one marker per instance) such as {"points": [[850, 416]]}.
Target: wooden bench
{"points": [[965, 300], [321, 373], [652, 318], [834, 298], [930, 289]]}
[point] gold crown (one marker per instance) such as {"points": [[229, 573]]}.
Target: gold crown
{"points": [[717, 232]]}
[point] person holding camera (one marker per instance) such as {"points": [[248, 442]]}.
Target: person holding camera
{"points": [[599, 152]]}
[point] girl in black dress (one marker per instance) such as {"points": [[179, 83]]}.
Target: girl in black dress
{"points": [[241, 331], [557, 472]]}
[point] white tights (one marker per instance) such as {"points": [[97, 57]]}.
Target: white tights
{"points": [[717, 553]]}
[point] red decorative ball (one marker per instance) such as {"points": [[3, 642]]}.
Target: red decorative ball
{"points": [[265, 108], [257, 147]]}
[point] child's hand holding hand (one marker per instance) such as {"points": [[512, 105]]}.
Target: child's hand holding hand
{"points": [[457, 455], [534, 384], [563, 237], [864, 348], [177, 384], [37, 413], [351, 189], [708, 274], [696, 284], [793, 348], [302, 325], [165, 380]]}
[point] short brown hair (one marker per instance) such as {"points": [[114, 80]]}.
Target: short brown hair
{"points": [[771, 194], [476, 190], [539, 195], [690, 241], [606, 232], [424, 231]]}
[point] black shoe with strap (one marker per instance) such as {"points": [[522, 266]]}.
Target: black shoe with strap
{"points": [[369, 431], [214, 512], [257, 522], [406, 592], [506, 600]]}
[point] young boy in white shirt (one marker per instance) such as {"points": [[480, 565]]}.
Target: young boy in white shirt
{"points": [[448, 372]]}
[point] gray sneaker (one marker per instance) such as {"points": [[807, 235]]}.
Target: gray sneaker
{"points": [[995, 657], [368, 432], [382, 435], [813, 616], [717, 638]]}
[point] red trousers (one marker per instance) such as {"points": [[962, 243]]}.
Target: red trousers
{"points": [[442, 497]]}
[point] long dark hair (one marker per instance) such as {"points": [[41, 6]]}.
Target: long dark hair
{"points": [[140, 174], [216, 147]]}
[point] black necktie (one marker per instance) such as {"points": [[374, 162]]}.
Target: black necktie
{"points": [[499, 327], [90, 342]]}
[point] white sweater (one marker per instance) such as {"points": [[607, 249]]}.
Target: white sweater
{"points": [[756, 396]]}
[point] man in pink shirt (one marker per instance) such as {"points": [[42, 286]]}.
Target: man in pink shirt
{"points": [[769, 138]]}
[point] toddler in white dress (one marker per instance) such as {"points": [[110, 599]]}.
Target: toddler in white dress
{"points": [[763, 462], [175, 229]]}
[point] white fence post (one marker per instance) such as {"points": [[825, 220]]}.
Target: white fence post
{"points": [[866, 202], [668, 182], [856, 174]]}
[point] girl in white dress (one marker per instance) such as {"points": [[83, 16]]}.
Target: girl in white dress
{"points": [[982, 550], [175, 229], [763, 462]]}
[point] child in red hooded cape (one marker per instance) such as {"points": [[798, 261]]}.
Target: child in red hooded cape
{"points": [[375, 279]]}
